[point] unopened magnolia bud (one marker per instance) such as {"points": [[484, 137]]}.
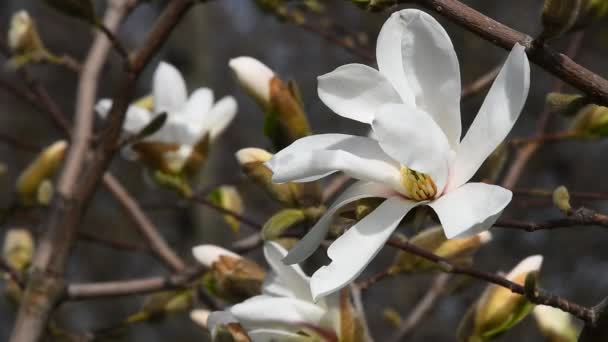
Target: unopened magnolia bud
{"points": [[555, 324], [228, 198], [252, 163], [561, 199], [559, 16], [285, 121], [231, 277], [162, 303], [282, 221], [45, 192], [254, 77], [200, 317], [23, 37], [458, 250], [499, 309], [41, 169], [566, 104], [18, 248], [591, 121]]}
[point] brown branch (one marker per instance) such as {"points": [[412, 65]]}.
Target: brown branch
{"points": [[480, 84], [539, 297], [375, 278], [46, 284], [581, 195], [114, 244], [579, 217], [200, 199], [133, 287], [544, 138], [423, 308]]}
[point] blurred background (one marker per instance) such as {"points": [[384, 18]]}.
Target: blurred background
{"points": [[214, 32]]}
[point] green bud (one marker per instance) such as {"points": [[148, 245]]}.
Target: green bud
{"points": [[45, 192], [458, 250], [591, 121], [281, 221], [162, 303], [18, 248], [566, 104], [228, 198], [42, 168], [562, 16], [23, 37], [561, 199]]}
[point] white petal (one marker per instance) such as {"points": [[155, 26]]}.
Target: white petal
{"points": [[414, 139], [137, 118], [309, 243], [261, 311], [354, 250], [169, 88], [317, 156], [470, 209], [216, 317], [497, 115], [431, 69], [276, 335], [355, 91], [290, 277], [254, 76], [220, 116], [209, 254], [388, 55], [197, 106]]}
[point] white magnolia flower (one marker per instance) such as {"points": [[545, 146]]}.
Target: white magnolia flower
{"points": [[284, 308], [189, 118], [417, 158]]}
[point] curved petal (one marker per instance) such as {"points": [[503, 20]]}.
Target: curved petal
{"points": [[309, 243], [414, 139], [220, 116], [218, 317], [496, 117], [275, 335], [388, 55], [355, 91], [317, 156], [354, 250], [431, 68], [470, 209], [197, 106], [169, 88], [289, 277], [263, 310], [137, 118]]}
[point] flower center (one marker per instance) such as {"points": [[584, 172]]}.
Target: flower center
{"points": [[418, 186]]}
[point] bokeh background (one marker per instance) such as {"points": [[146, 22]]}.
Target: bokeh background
{"points": [[214, 32]]}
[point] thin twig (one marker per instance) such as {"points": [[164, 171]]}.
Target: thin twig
{"points": [[579, 217], [480, 84], [423, 308], [580, 195]]}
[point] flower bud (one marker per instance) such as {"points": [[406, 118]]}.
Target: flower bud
{"points": [[254, 77], [159, 304], [252, 163], [281, 221], [228, 198], [41, 169], [499, 309], [285, 121], [566, 104], [23, 37], [231, 276], [562, 16], [591, 121], [555, 324], [459, 250], [45, 192], [18, 248], [561, 199]]}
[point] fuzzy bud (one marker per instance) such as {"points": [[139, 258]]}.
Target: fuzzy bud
{"points": [[254, 77], [555, 324], [42, 168], [499, 309], [566, 104], [282, 221], [591, 121], [23, 37], [459, 250], [18, 248], [231, 277], [45, 192], [228, 198], [562, 16], [561, 199]]}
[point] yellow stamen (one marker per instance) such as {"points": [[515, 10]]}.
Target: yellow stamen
{"points": [[418, 186], [146, 102]]}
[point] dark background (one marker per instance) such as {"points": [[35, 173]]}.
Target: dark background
{"points": [[200, 47]]}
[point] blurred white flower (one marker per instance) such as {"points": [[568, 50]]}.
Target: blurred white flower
{"points": [[416, 156], [254, 76], [285, 311], [189, 119]]}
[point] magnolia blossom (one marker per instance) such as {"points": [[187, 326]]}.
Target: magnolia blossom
{"points": [[417, 157], [189, 119], [285, 311]]}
